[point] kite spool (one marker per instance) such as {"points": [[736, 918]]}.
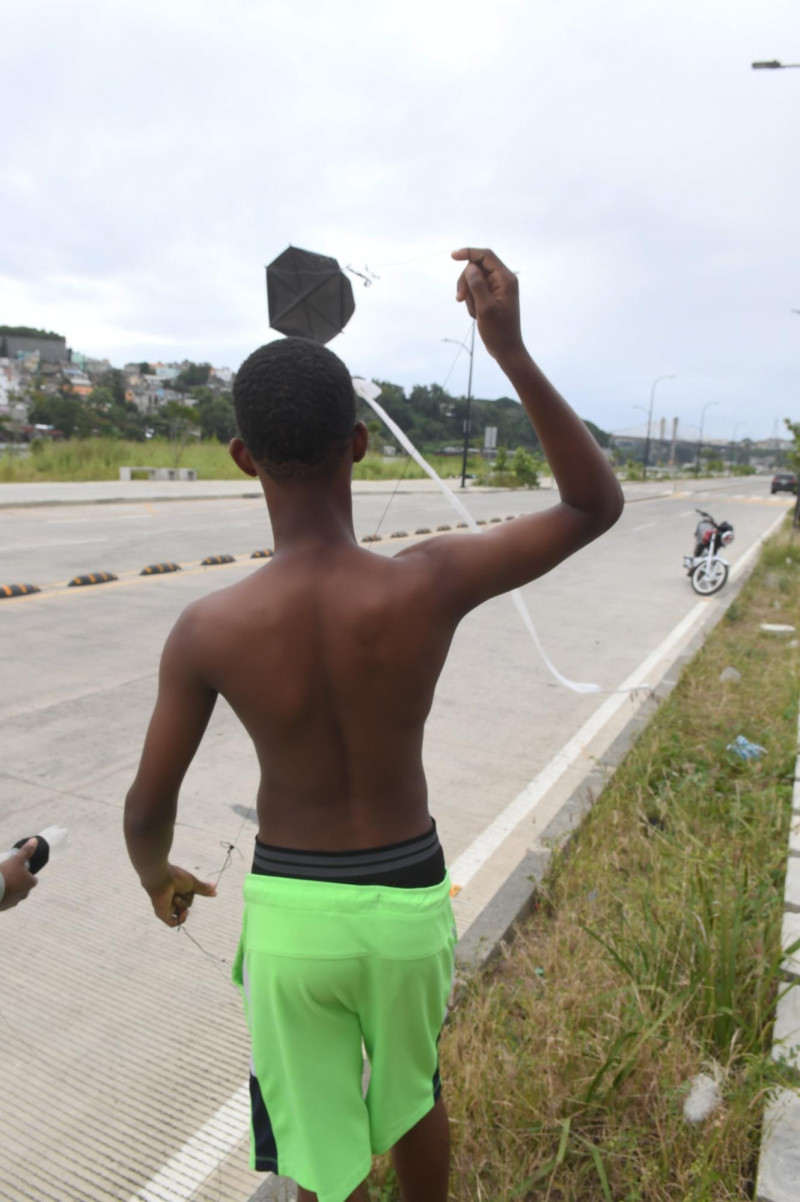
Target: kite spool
{"points": [[48, 841]]}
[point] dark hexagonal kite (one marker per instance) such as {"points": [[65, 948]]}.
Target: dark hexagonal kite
{"points": [[308, 295]]}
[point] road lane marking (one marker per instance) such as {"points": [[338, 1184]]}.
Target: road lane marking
{"points": [[646, 526], [194, 1163]]}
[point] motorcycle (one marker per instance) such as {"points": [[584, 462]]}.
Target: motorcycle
{"points": [[707, 570]]}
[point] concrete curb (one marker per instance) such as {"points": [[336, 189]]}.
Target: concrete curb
{"points": [[779, 1161]]}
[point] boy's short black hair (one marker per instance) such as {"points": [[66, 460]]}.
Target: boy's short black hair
{"points": [[295, 406]]}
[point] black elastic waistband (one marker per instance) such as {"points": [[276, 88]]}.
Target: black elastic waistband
{"points": [[411, 864]]}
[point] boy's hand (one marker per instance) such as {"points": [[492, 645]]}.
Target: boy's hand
{"points": [[18, 879], [172, 898], [491, 294]]}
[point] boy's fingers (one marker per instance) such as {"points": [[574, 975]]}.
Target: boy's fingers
{"points": [[27, 850], [205, 888], [487, 259], [476, 282]]}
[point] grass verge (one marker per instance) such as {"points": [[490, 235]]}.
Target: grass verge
{"points": [[101, 458], [654, 954]]}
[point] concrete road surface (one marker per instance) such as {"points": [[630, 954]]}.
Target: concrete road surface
{"points": [[124, 1048]]}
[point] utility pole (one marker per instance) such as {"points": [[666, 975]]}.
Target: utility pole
{"points": [[649, 420], [707, 405], [673, 449]]}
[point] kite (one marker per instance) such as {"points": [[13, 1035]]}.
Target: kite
{"points": [[308, 295]]}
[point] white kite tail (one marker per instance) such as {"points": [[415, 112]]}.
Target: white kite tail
{"points": [[369, 392]]}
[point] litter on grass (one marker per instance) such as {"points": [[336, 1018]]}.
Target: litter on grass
{"points": [[703, 1099], [745, 749], [730, 674]]}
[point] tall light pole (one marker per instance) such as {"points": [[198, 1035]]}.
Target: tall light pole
{"points": [[657, 380], [733, 439], [707, 405], [471, 353]]}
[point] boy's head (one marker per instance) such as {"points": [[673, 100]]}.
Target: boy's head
{"points": [[295, 407]]}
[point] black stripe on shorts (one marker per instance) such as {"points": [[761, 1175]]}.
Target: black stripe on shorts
{"points": [[414, 863]]}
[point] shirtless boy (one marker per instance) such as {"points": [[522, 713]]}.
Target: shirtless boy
{"points": [[329, 655]]}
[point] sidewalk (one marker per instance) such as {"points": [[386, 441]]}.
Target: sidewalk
{"points": [[107, 492], [99, 492]]}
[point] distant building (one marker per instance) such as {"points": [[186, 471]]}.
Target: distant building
{"points": [[51, 350]]}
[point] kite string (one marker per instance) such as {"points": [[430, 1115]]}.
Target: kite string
{"points": [[461, 347], [369, 392], [230, 848], [392, 497], [435, 254]]}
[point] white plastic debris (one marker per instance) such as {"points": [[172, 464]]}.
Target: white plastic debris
{"points": [[777, 628], [730, 674], [703, 1099]]}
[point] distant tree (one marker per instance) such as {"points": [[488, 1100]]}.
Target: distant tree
{"points": [[793, 458], [216, 419], [59, 411], [524, 467], [144, 368], [181, 421], [191, 376], [601, 436], [114, 381], [29, 332], [793, 455]]}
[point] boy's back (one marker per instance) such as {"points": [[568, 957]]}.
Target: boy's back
{"points": [[329, 657]]}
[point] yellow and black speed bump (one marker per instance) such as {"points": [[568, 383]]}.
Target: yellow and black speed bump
{"points": [[399, 534], [493, 520], [444, 527], [509, 517], [264, 553], [92, 578], [372, 538], [480, 522], [422, 530], [212, 560], [461, 526], [18, 590], [159, 569]]}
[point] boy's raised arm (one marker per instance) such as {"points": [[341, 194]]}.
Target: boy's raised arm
{"points": [[477, 567]]}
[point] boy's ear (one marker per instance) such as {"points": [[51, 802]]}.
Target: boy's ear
{"points": [[360, 442], [242, 457]]}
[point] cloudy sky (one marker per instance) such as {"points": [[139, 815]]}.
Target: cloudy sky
{"points": [[623, 158]]}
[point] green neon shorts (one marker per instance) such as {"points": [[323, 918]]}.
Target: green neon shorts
{"points": [[323, 967]]}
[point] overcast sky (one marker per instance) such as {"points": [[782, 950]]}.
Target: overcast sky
{"points": [[624, 158]]}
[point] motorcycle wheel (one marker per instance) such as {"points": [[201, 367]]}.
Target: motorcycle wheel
{"points": [[708, 578]]}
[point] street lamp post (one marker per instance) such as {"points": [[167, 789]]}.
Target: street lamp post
{"points": [[707, 405], [471, 353], [733, 439], [657, 380]]}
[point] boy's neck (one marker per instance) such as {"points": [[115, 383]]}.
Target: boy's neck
{"points": [[311, 513]]}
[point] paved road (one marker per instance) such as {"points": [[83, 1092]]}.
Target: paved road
{"points": [[137, 1035], [44, 544]]}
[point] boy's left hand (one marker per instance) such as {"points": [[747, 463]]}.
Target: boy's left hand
{"points": [[172, 899]]}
